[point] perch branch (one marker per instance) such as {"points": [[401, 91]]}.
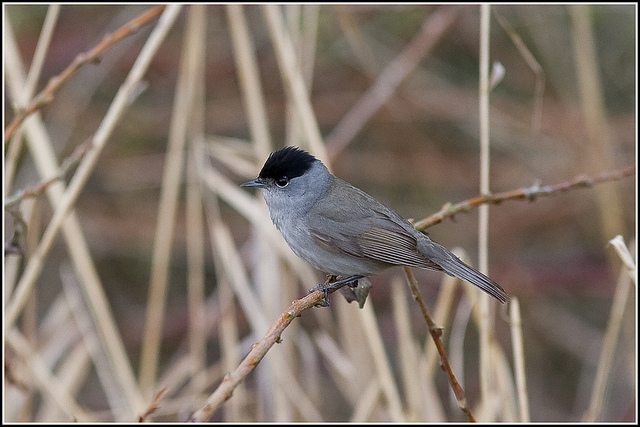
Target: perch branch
{"points": [[257, 352]]}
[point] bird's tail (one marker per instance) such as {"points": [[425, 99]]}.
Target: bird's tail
{"points": [[453, 266]]}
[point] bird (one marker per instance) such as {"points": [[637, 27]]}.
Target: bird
{"points": [[343, 231]]}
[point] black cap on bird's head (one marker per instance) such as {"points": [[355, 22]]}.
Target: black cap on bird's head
{"points": [[282, 166], [290, 162]]}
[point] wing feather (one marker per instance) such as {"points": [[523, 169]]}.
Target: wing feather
{"points": [[395, 246]]}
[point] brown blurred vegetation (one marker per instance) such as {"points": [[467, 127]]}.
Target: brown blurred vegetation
{"points": [[418, 152]]}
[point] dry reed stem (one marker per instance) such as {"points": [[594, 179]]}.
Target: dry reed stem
{"points": [[515, 321], [29, 86], [351, 337], [600, 153], [625, 255], [95, 348], [43, 377], [486, 319], [293, 81], [250, 86], [47, 94], [231, 354], [367, 402], [85, 168], [233, 268], [50, 20], [407, 353], [620, 300], [344, 370], [302, 23], [168, 205], [381, 363], [195, 273], [195, 220], [272, 290]]}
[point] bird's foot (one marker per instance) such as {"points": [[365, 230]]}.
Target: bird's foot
{"points": [[331, 284]]}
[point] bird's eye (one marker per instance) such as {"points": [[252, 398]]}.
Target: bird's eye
{"points": [[282, 182]]}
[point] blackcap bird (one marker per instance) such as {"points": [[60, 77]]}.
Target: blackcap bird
{"points": [[341, 230]]}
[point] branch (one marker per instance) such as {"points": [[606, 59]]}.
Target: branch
{"points": [[153, 406], [258, 351], [436, 334], [38, 189], [529, 193], [46, 95]]}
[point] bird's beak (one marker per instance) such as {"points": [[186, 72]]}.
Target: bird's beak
{"points": [[259, 183]]}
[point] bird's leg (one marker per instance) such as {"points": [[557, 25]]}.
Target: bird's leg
{"points": [[330, 286]]}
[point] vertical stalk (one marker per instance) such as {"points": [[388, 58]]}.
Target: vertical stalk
{"points": [[483, 221]]}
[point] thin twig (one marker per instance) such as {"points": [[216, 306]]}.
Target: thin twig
{"points": [[38, 189], [436, 334], [24, 95], [258, 351], [528, 193], [46, 95], [530, 60], [154, 405]]}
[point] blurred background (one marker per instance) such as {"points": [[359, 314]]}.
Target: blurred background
{"points": [[557, 113]]}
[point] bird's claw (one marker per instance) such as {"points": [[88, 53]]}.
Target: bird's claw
{"points": [[328, 286]]}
